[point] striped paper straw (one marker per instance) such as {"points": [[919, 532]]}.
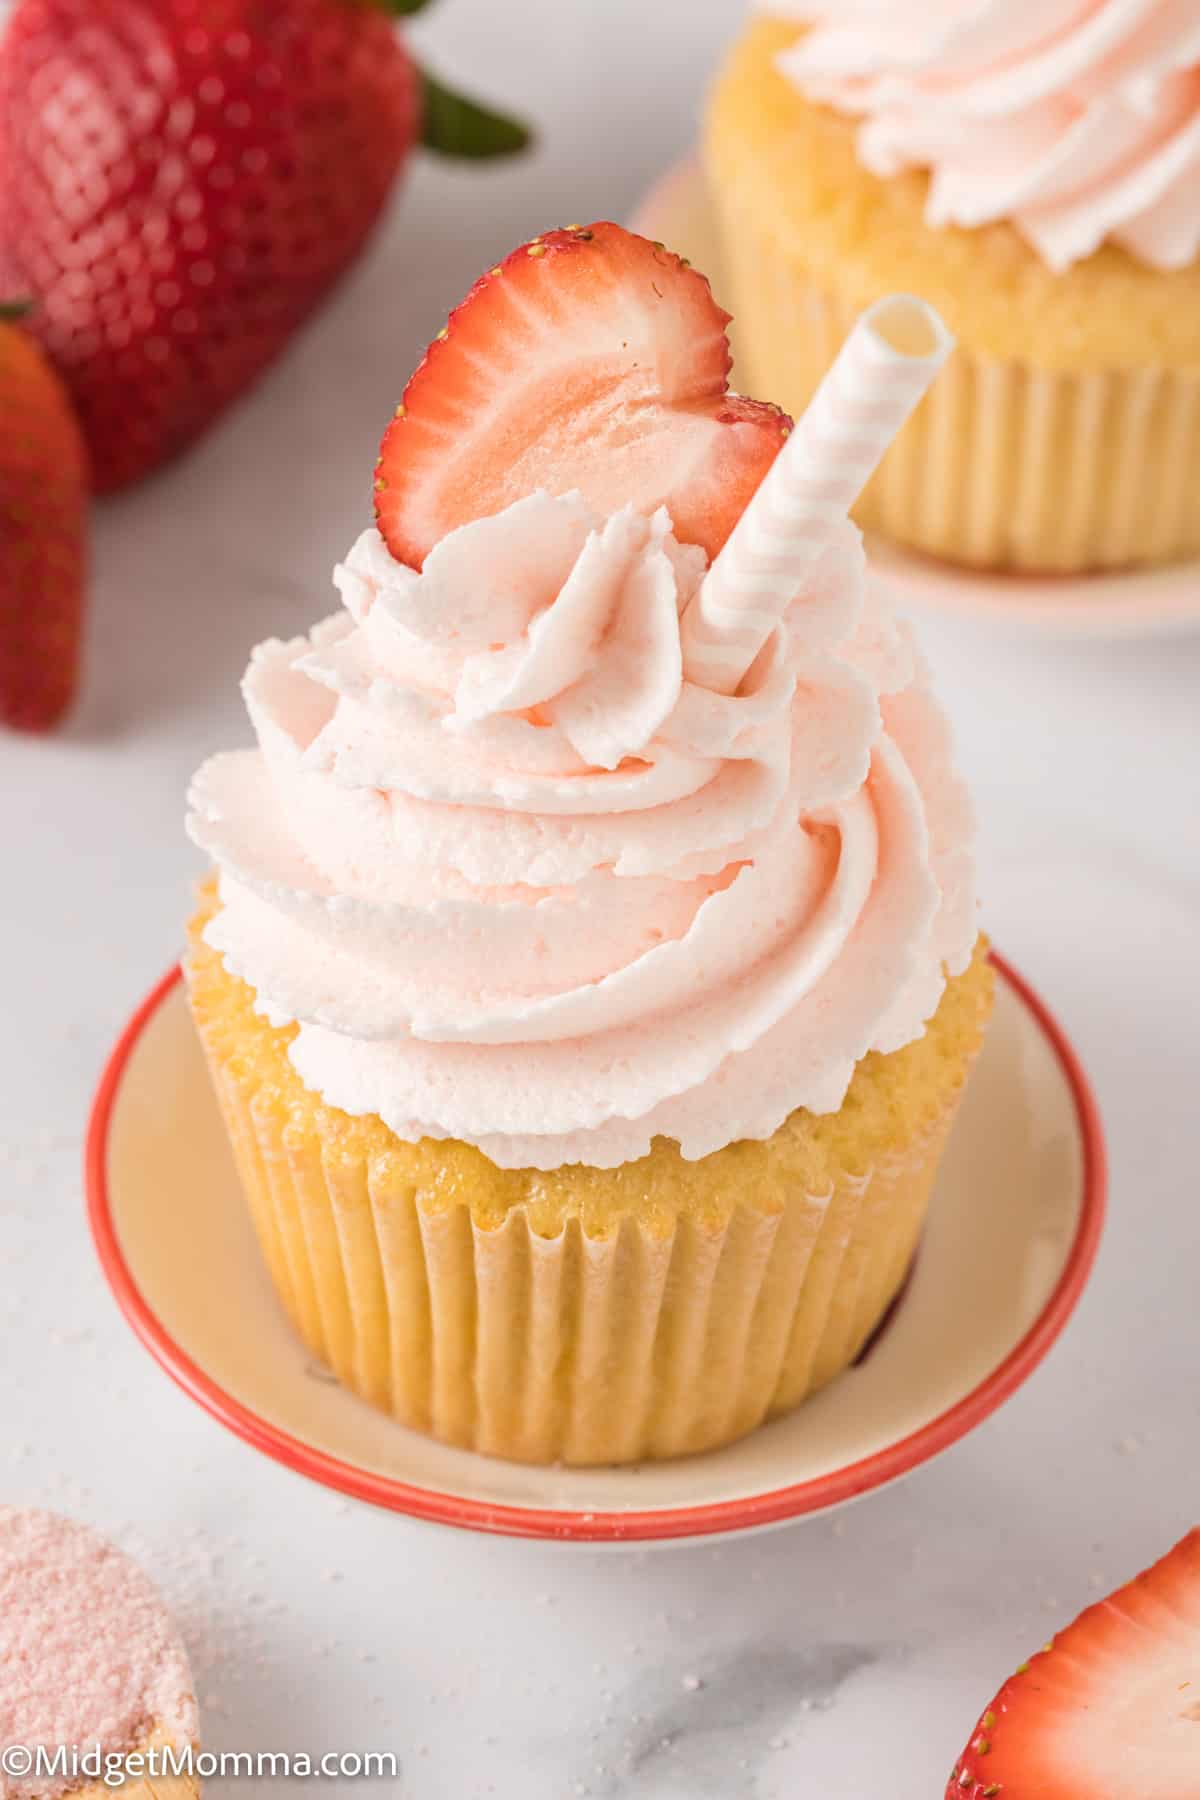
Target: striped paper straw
{"points": [[885, 365]]}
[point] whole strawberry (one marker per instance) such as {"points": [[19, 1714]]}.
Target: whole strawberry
{"points": [[43, 501], [181, 181]]}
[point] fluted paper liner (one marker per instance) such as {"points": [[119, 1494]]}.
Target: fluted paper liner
{"points": [[1003, 465], [575, 1348]]}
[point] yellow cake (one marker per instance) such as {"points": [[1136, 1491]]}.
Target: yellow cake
{"points": [[591, 970], [1063, 435], [585, 1315], [155, 1752]]}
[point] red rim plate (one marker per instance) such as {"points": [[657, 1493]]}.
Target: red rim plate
{"points": [[743, 1514]]}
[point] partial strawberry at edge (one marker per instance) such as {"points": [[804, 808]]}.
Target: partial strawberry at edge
{"points": [[43, 501], [590, 358], [1109, 1710]]}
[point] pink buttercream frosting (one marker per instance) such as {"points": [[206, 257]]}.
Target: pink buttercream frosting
{"points": [[1078, 120], [88, 1653], [522, 883]]}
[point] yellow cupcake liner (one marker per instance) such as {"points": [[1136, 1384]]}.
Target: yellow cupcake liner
{"points": [[1004, 465], [645, 1342]]}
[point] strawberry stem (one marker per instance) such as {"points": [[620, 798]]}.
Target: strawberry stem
{"points": [[401, 9], [455, 125], [11, 310]]}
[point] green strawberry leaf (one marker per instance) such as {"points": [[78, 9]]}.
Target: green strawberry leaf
{"points": [[401, 9], [454, 125], [11, 310]]}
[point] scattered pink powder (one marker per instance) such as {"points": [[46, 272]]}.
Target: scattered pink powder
{"points": [[88, 1653]]}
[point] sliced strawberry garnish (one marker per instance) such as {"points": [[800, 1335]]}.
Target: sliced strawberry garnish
{"points": [[590, 358], [1110, 1710]]}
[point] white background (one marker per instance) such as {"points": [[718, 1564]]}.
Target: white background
{"points": [[838, 1659]]}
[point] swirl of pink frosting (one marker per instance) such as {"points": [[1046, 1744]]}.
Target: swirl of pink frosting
{"points": [[1078, 120], [523, 884]]}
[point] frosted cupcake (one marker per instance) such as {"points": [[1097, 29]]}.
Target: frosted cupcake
{"points": [[92, 1671], [1034, 171], [591, 974]]}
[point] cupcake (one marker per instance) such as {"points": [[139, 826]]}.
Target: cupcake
{"points": [[590, 971], [1034, 172], [94, 1683]]}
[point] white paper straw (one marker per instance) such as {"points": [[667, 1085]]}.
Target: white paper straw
{"points": [[883, 368]]}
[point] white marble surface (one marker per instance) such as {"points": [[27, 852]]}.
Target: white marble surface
{"points": [[836, 1656]]}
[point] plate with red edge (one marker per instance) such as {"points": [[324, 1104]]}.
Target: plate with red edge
{"points": [[1015, 1221], [1156, 602]]}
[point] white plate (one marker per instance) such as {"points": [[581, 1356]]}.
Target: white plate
{"points": [[1020, 1194], [1142, 603]]}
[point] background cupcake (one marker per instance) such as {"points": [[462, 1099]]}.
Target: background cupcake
{"points": [[588, 1018], [1034, 171]]}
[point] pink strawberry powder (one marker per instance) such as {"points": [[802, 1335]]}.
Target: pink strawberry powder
{"points": [[88, 1652]]}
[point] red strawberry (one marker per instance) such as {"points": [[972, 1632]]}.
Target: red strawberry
{"points": [[591, 359], [182, 180], [1110, 1710], [43, 499]]}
